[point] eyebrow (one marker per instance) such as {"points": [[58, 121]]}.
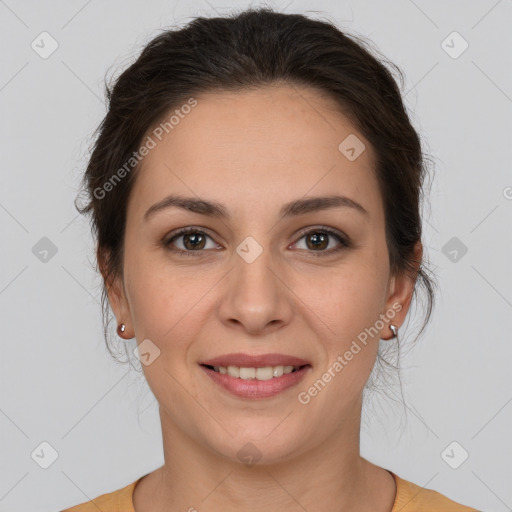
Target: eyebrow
{"points": [[292, 209]]}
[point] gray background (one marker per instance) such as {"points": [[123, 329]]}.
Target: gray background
{"points": [[57, 382]]}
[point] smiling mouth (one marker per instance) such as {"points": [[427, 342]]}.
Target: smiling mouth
{"points": [[257, 373], [257, 382]]}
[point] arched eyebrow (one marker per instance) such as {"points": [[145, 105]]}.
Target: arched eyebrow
{"points": [[292, 209]]}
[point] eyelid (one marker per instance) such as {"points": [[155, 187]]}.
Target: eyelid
{"points": [[344, 240], [326, 229], [185, 231]]}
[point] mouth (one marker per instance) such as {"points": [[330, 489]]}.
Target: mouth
{"points": [[258, 373], [256, 382]]}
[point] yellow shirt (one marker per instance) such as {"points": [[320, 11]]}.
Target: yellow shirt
{"points": [[409, 498]]}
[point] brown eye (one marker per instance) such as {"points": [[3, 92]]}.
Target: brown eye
{"points": [[318, 241], [193, 241], [189, 240]]}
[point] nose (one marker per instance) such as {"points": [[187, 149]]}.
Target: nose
{"points": [[256, 298]]}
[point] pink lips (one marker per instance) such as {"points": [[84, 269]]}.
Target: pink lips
{"points": [[254, 388], [259, 361]]}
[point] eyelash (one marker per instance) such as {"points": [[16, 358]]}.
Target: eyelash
{"points": [[344, 241]]}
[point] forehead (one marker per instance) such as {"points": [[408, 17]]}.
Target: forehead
{"points": [[257, 144]]}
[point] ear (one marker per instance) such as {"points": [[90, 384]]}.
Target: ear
{"points": [[400, 291], [116, 294]]}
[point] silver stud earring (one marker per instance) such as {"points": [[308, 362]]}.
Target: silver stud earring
{"points": [[120, 329], [394, 330]]}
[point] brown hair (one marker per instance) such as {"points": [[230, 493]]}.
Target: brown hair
{"points": [[251, 49]]}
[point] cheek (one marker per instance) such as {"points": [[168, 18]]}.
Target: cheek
{"points": [[349, 303], [167, 303], [345, 300], [167, 311]]}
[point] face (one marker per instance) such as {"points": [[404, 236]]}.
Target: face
{"points": [[270, 272]]}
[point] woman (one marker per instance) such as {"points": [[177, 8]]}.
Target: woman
{"points": [[255, 194]]}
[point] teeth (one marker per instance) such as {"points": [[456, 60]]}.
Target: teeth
{"points": [[265, 373]]}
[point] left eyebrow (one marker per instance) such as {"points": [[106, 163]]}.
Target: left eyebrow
{"points": [[313, 204], [292, 209]]}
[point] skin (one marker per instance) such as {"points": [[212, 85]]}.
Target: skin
{"points": [[254, 151]]}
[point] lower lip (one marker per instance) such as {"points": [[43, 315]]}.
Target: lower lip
{"points": [[254, 388]]}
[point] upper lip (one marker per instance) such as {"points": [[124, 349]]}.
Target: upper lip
{"points": [[255, 361]]}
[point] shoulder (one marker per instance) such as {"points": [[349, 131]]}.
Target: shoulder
{"points": [[117, 501], [413, 498]]}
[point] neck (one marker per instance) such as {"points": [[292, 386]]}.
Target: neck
{"points": [[329, 476]]}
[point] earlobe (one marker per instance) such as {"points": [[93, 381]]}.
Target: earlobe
{"points": [[121, 328], [401, 292], [116, 298], [397, 305], [119, 305]]}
